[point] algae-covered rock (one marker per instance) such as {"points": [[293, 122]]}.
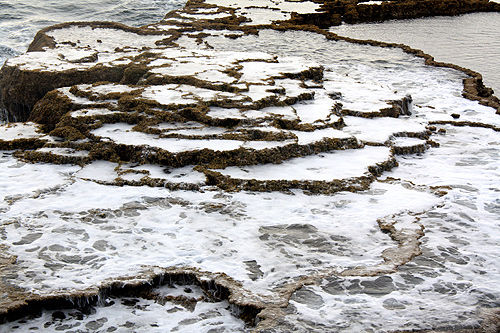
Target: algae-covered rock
{"points": [[358, 11], [162, 104]]}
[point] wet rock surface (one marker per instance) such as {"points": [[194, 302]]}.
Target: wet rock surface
{"points": [[336, 12], [230, 169]]}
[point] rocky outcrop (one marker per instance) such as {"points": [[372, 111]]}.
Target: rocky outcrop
{"points": [[215, 287], [250, 107], [201, 112], [21, 86], [337, 11]]}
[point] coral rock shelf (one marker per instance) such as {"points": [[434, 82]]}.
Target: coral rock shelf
{"points": [[234, 160]]}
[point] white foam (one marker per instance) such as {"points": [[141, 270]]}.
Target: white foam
{"points": [[380, 130], [64, 151], [91, 112], [324, 166], [173, 175], [371, 3], [206, 15], [302, 7], [305, 138], [259, 16], [99, 170], [216, 112], [124, 218], [123, 133], [319, 108], [24, 179], [109, 38], [407, 142], [14, 131]]}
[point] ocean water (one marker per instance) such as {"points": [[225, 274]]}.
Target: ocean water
{"points": [[470, 40], [70, 228], [21, 19]]}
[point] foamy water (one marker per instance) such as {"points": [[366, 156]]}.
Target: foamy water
{"points": [[70, 232], [469, 40], [71, 229]]}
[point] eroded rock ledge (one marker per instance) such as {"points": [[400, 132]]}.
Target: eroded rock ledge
{"points": [[225, 109], [21, 87], [215, 286]]}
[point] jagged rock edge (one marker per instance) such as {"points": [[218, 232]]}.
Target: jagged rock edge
{"points": [[218, 285]]}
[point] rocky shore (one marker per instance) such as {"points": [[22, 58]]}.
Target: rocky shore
{"points": [[223, 104], [338, 11]]}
